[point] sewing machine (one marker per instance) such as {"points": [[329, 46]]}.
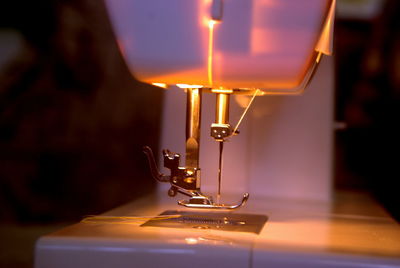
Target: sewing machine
{"points": [[228, 63]]}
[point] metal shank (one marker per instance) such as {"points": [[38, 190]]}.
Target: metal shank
{"points": [[193, 121]]}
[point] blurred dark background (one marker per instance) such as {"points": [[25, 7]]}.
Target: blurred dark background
{"points": [[72, 122], [367, 47], [73, 119]]}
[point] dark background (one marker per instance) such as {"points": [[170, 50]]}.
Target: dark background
{"points": [[73, 120], [368, 102], [72, 123]]}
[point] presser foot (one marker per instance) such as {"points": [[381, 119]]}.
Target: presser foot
{"points": [[185, 181], [206, 202]]}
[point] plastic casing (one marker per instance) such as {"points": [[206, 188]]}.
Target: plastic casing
{"points": [[267, 44]]}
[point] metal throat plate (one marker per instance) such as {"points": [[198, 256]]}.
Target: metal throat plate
{"points": [[222, 221]]}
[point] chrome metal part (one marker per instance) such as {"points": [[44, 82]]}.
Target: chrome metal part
{"points": [[213, 220], [193, 121], [186, 180], [194, 203], [222, 108], [221, 129], [157, 175], [183, 181]]}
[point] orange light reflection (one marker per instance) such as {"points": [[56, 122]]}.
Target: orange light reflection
{"points": [[211, 24]]}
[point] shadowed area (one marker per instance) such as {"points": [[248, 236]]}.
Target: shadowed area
{"points": [[73, 121]]}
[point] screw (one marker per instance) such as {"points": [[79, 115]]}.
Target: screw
{"points": [[172, 192]]}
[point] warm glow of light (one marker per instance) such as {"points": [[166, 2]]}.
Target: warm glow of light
{"points": [[188, 86], [211, 24], [318, 57], [263, 40], [222, 90], [162, 85], [191, 240], [205, 21], [204, 9]]}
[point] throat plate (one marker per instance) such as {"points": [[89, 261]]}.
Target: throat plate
{"points": [[222, 221]]}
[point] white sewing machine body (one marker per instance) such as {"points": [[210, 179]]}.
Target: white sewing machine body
{"points": [[354, 232], [282, 157], [306, 226], [256, 44]]}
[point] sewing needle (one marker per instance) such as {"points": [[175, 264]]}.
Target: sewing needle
{"points": [[221, 147]]}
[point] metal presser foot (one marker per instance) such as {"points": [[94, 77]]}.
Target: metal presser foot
{"points": [[202, 201], [185, 181]]}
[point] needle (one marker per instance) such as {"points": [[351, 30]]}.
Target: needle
{"points": [[221, 147]]}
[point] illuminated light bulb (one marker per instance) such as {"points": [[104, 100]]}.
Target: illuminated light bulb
{"points": [[191, 241], [188, 86], [162, 85]]}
